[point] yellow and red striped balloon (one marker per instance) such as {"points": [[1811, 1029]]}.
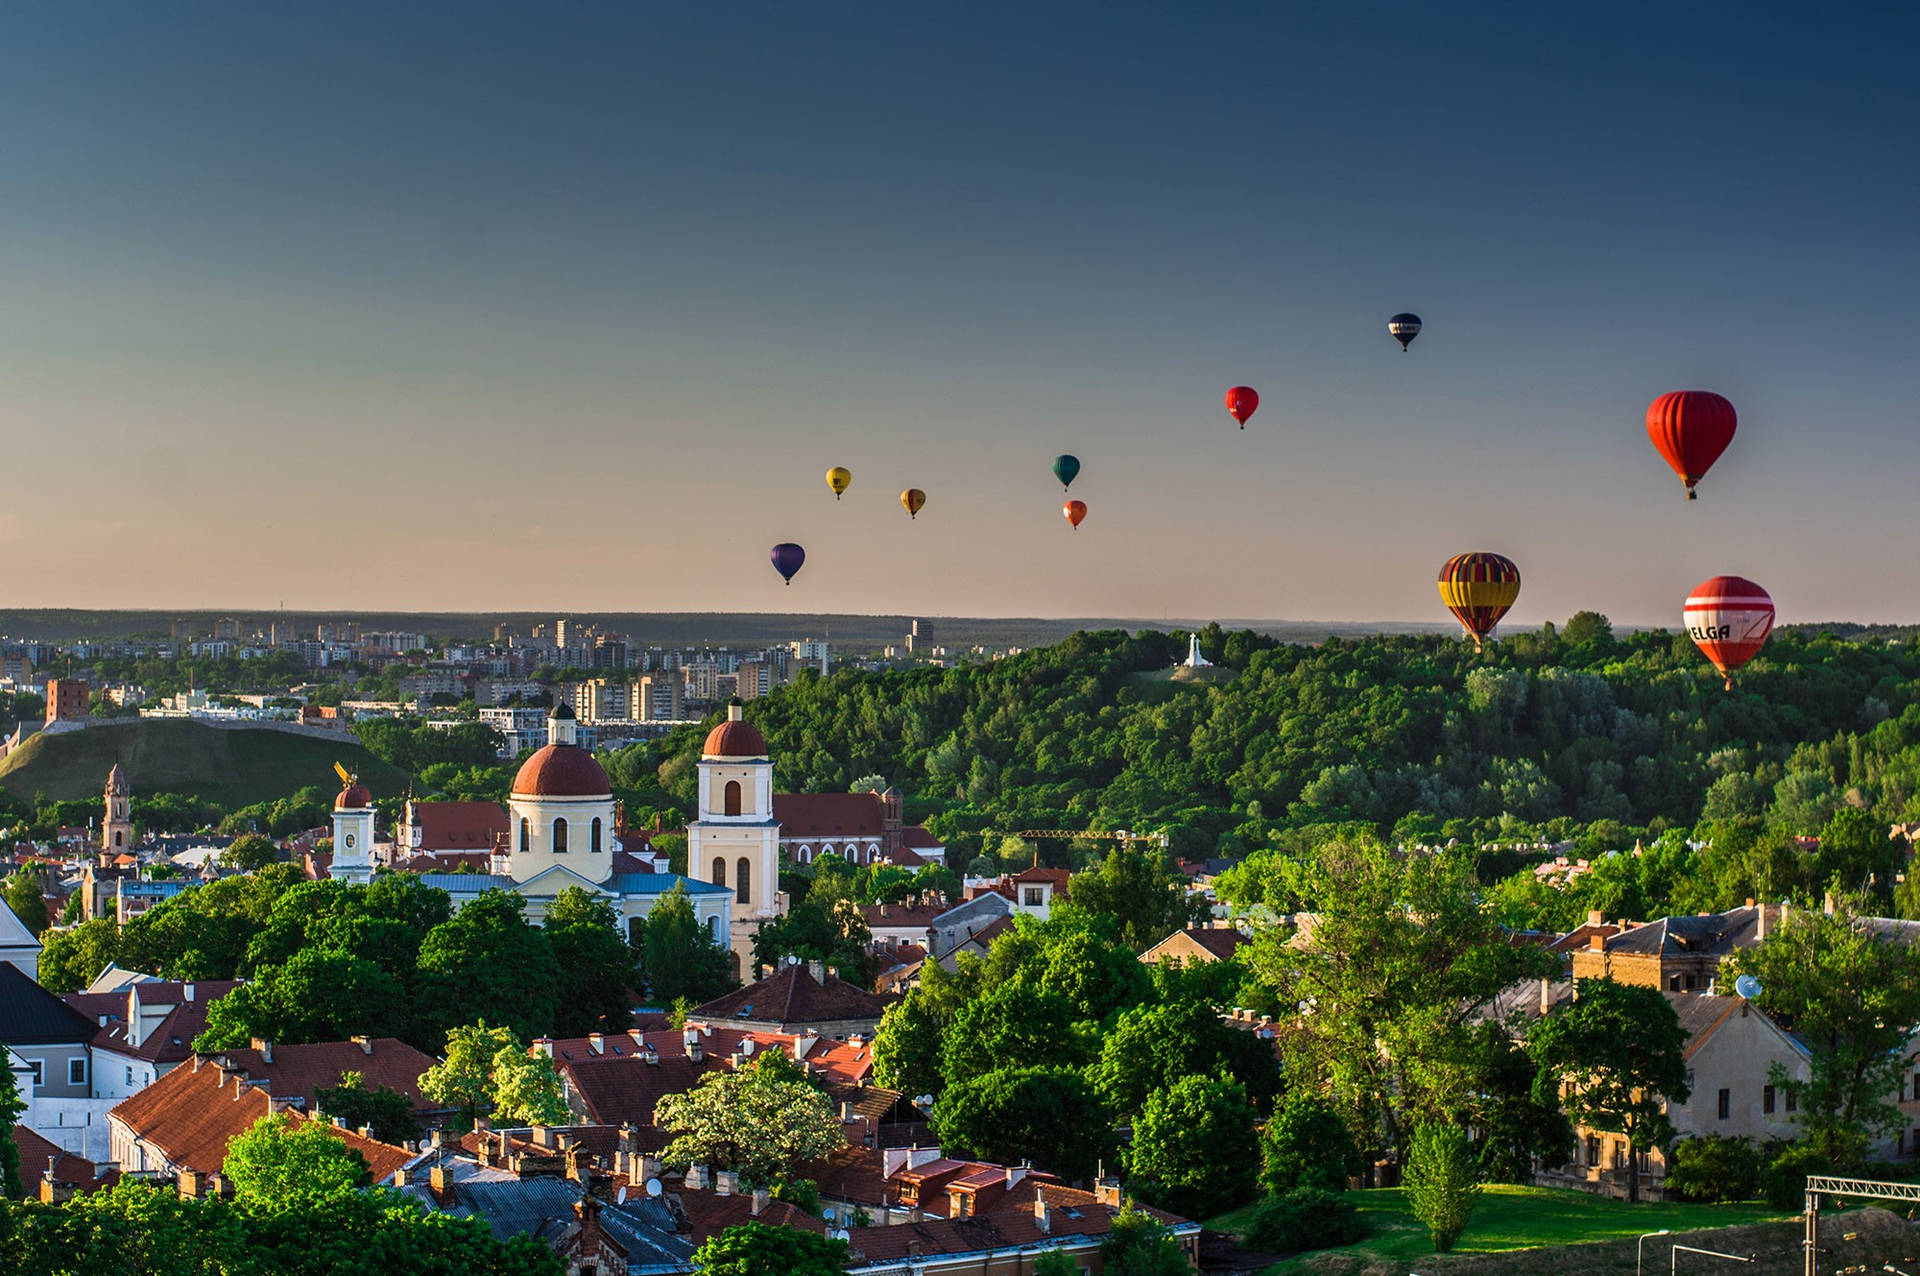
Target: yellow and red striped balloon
{"points": [[1478, 588]]}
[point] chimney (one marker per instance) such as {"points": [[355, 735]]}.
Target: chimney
{"points": [[402, 1176], [1042, 1216], [1760, 924], [761, 1199], [818, 969], [365, 1044], [697, 1177], [265, 1048], [192, 1185], [189, 992], [1826, 905], [726, 1182], [542, 1136], [544, 1045], [440, 1183], [1597, 943], [1546, 995], [54, 1193], [690, 1039]]}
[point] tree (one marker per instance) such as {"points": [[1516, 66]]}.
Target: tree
{"points": [[1139, 1246], [1194, 1148], [1854, 998], [679, 958], [22, 894], [282, 1159], [1442, 1182], [386, 1110], [316, 996], [1010, 1020], [906, 1047], [1135, 886], [1152, 1047], [597, 965], [488, 1070], [760, 1120], [71, 959], [1303, 1219], [1613, 1057], [1055, 1262], [12, 1107], [486, 960], [1047, 1114], [249, 853], [1307, 1145], [1401, 956], [760, 1249]]}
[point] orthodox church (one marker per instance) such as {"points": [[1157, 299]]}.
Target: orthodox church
{"points": [[560, 833]]}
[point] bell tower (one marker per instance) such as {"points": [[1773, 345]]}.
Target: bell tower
{"points": [[116, 831], [352, 832]]}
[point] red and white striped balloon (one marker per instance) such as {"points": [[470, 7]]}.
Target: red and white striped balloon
{"points": [[1729, 618]]}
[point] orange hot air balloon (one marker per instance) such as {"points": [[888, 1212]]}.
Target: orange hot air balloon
{"points": [[1478, 588], [1241, 401], [1075, 511], [1691, 428], [913, 498]]}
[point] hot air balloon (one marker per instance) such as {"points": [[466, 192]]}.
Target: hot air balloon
{"points": [[1405, 328], [1691, 428], [787, 558], [839, 478], [1478, 588], [1241, 401], [1075, 511], [913, 498], [1066, 468], [1729, 618]]}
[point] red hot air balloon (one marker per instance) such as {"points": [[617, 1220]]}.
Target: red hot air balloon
{"points": [[1729, 618], [1479, 588], [1241, 401], [1075, 511], [1691, 428]]}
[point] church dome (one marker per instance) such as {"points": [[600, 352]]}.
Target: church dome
{"points": [[734, 738], [561, 770], [353, 798]]}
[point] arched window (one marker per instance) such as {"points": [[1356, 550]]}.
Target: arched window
{"points": [[873, 855], [732, 801], [526, 836], [719, 871], [806, 854], [119, 837], [559, 837], [827, 849], [713, 928], [596, 834], [743, 881]]}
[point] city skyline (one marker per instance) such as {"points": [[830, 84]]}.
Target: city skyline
{"points": [[373, 312]]}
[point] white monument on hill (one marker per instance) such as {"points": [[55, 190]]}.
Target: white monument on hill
{"points": [[1194, 659]]}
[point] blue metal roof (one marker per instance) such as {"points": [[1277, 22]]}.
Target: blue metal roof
{"points": [[661, 883], [467, 883]]}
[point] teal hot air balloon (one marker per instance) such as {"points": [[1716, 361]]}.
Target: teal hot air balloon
{"points": [[1066, 468]]}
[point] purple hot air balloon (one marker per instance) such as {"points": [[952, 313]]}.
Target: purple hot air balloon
{"points": [[787, 558]]}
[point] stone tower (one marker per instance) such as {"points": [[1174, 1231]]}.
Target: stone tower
{"points": [[116, 831]]}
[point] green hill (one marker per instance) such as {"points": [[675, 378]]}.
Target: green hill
{"points": [[232, 768]]}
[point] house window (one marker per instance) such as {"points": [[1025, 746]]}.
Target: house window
{"points": [[526, 836], [1766, 1100], [34, 1066], [76, 1071], [1673, 983], [1793, 1101], [559, 837], [1032, 896], [129, 1074], [1726, 1104], [731, 803], [1690, 984], [719, 871], [1593, 1149], [743, 881], [596, 835]]}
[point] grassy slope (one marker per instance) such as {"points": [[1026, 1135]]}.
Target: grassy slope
{"points": [[1511, 1218], [233, 768]]}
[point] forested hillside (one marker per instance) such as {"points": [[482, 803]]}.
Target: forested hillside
{"points": [[1551, 732]]}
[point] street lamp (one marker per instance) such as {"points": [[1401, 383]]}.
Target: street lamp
{"points": [[1640, 1249]]}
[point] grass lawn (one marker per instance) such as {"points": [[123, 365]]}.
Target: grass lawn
{"points": [[1510, 1218]]}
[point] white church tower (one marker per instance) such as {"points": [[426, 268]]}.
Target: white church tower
{"points": [[352, 833], [735, 842]]}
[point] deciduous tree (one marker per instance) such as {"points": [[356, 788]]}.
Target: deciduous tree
{"points": [[1194, 1148], [1049, 1115], [283, 1160], [760, 1120], [759, 1249]]}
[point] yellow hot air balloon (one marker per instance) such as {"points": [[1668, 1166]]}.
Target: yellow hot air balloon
{"points": [[1478, 588], [839, 478], [913, 498]]}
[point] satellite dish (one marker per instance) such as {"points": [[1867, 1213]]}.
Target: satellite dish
{"points": [[1747, 986], [620, 1197], [840, 1234], [653, 1187]]}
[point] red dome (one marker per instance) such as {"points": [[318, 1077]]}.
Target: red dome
{"points": [[353, 797], [561, 770], [737, 739]]}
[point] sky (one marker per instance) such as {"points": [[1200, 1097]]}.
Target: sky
{"points": [[569, 307]]}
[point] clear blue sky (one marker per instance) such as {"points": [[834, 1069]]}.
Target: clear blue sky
{"points": [[571, 306]]}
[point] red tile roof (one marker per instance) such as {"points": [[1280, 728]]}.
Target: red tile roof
{"points": [[829, 815], [917, 837], [298, 1071], [193, 1112], [792, 997], [459, 826], [67, 1168]]}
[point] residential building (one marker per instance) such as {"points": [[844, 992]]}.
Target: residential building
{"points": [[146, 1029], [1197, 944], [49, 1036], [1677, 954], [798, 999], [661, 698], [603, 700], [19, 947]]}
